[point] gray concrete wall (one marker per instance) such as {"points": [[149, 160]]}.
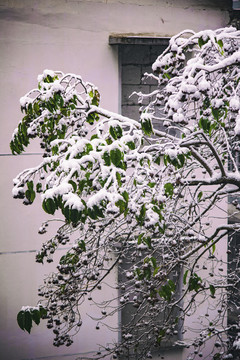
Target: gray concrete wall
{"points": [[136, 60]]}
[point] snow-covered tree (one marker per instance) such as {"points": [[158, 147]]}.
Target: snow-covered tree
{"points": [[141, 197]]}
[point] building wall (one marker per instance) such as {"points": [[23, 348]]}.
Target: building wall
{"points": [[71, 36]]}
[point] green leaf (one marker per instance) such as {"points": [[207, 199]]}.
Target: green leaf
{"points": [[216, 113], [30, 109], [116, 157], [151, 184], [24, 319], [119, 179], [202, 42], [28, 321], [30, 185], [220, 43], [140, 238], [199, 196], [212, 290], [185, 277], [121, 205], [154, 262], [171, 285], [147, 273], [66, 212], [169, 189], [157, 160], [213, 248], [140, 218], [125, 196], [98, 211], [95, 96], [82, 245], [165, 292], [148, 241], [39, 187], [88, 148], [36, 316], [92, 213], [20, 319], [49, 206], [194, 282], [36, 108], [147, 126], [74, 185], [181, 159], [43, 312], [167, 75], [55, 150], [30, 195], [204, 124], [95, 136], [115, 132], [131, 145], [92, 117], [74, 215], [69, 258], [106, 158]]}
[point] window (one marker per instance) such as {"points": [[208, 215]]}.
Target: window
{"points": [[134, 320], [136, 56]]}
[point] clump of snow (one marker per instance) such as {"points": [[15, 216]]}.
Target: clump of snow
{"points": [[142, 246], [178, 117], [45, 73], [174, 47], [173, 103], [217, 103], [73, 201], [160, 197], [236, 343], [24, 100], [188, 88], [237, 126], [151, 216], [173, 153], [162, 62], [204, 85], [129, 274], [56, 86], [31, 308], [234, 103], [52, 88], [170, 89], [97, 198], [61, 189], [146, 116]]}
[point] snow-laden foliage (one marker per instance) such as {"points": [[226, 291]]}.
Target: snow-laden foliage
{"points": [[145, 198]]}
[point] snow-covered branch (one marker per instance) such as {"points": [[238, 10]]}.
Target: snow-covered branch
{"points": [[147, 196]]}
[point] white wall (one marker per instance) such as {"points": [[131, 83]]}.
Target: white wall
{"points": [[72, 36]]}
